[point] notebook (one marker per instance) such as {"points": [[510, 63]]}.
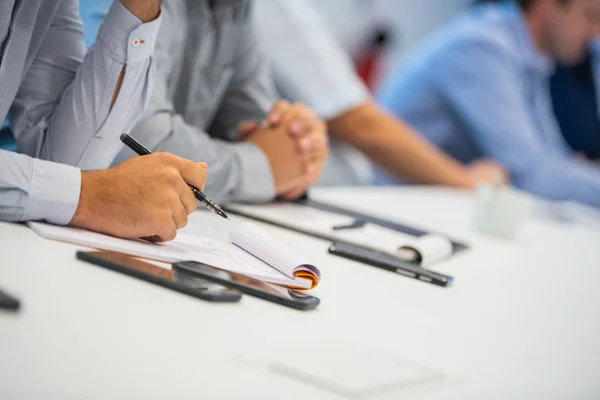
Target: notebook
{"points": [[425, 250], [251, 252]]}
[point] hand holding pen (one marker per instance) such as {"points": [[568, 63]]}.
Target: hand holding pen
{"points": [[201, 197]]}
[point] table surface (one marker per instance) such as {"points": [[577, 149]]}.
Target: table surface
{"points": [[521, 320]]}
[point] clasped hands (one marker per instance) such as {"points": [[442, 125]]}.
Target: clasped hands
{"points": [[295, 142]]}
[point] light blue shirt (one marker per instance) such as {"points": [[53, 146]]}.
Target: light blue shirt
{"points": [[309, 66], [479, 88], [58, 102]]}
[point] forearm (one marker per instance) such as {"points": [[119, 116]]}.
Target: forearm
{"points": [[395, 147], [145, 11], [76, 124], [237, 171], [556, 178]]}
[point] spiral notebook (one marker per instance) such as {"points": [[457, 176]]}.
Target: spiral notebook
{"points": [[251, 252]]}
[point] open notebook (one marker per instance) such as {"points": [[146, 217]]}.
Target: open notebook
{"points": [[252, 252]]}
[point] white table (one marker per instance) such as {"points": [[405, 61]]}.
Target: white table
{"points": [[521, 321]]}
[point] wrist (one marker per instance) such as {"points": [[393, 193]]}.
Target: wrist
{"points": [[145, 10], [85, 215], [462, 179]]}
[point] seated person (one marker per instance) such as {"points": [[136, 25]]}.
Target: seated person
{"points": [[479, 87], [67, 108], [210, 102], [574, 91], [310, 66]]}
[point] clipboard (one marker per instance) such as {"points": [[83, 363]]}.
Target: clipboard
{"points": [[457, 246]]}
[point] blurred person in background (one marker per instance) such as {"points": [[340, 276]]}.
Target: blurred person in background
{"points": [[575, 93], [480, 87], [309, 66]]}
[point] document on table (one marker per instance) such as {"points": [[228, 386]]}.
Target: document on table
{"points": [[426, 250], [251, 252]]}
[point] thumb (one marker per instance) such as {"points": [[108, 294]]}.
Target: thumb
{"points": [[246, 129]]}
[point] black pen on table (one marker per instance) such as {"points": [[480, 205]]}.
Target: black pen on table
{"points": [[201, 197]]}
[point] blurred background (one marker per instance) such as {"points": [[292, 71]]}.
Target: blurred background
{"points": [[403, 23], [380, 34]]}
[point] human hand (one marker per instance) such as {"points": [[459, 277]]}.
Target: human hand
{"points": [[309, 134], [286, 162], [308, 130], [145, 197], [487, 171]]}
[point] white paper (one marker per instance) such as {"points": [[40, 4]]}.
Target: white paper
{"points": [[430, 248], [226, 256], [268, 249]]}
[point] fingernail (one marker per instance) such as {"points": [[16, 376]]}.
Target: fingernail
{"points": [[305, 144], [274, 118]]}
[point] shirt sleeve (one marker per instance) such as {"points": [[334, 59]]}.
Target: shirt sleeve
{"points": [[62, 111], [250, 94], [237, 171], [481, 82], [308, 63], [33, 189]]}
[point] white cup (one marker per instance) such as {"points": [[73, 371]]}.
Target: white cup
{"points": [[501, 210]]}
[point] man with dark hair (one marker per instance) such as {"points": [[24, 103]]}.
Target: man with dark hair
{"points": [[479, 87]]}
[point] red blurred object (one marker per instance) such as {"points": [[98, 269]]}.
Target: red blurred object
{"points": [[368, 62]]}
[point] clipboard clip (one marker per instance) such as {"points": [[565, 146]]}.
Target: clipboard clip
{"points": [[357, 224]]}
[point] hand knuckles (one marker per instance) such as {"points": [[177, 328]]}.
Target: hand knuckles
{"points": [[171, 176], [164, 158], [184, 218]]}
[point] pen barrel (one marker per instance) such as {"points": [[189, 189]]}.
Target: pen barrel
{"points": [[205, 201], [211, 206]]}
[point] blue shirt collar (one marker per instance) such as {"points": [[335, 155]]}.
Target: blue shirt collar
{"points": [[532, 57]]}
